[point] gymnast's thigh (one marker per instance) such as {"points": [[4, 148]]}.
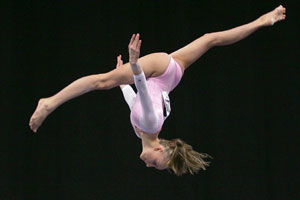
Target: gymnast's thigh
{"points": [[153, 65]]}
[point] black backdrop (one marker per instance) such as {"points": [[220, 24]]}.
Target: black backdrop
{"points": [[239, 103]]}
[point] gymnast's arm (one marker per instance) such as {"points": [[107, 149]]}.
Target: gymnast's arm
{"points": [[150, 119]]}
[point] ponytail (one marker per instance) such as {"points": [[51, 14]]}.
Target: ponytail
{"points": [[182, 157]]}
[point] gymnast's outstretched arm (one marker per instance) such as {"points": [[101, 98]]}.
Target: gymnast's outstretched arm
{"points": [[149, 119]]}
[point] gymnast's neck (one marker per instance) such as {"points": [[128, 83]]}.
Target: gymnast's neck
{"points": [[149, 140]]}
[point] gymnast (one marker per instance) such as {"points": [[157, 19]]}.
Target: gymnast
{"points": [[155, 76]]}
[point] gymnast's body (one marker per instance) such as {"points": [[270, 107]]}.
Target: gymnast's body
{"points": [[155, 76]]}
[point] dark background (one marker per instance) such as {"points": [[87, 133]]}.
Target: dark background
{"points": [[239, 103]]}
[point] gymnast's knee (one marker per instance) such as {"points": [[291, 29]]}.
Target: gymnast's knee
{"points": [[103, 82], [212, 39]]}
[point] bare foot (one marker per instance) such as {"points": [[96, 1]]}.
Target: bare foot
{"points": [[41, 112], [274, 16]]}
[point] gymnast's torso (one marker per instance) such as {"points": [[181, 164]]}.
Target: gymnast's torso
{"points": [[158, 87]]}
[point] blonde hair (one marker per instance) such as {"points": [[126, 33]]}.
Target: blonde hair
{"points": [[182, 157]]}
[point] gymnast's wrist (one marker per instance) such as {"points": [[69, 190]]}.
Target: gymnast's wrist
{"points": [[136, 68], [133, 62]]}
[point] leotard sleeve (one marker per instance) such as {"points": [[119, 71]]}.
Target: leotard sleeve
{"points": [[129, 95], [149, 119]]}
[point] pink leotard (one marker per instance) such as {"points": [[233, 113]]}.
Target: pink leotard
{"points": [[147, 108]]}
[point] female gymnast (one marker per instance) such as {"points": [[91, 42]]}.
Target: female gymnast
{"points": [[154, 75]]}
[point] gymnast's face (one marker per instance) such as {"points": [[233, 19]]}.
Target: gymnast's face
{"points": [[155, 157]]}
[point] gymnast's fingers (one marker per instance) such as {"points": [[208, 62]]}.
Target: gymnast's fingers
{"points": [[136, 40], [131, 40], [139, 44], [119, 61]]}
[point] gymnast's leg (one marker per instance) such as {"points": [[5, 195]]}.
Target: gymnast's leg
{"points": [[152, 64], [193, 51], [75, 89]]}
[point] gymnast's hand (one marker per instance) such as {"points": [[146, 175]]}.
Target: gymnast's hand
{"points": [[134, 48], [119, 61], [119, 64]]}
